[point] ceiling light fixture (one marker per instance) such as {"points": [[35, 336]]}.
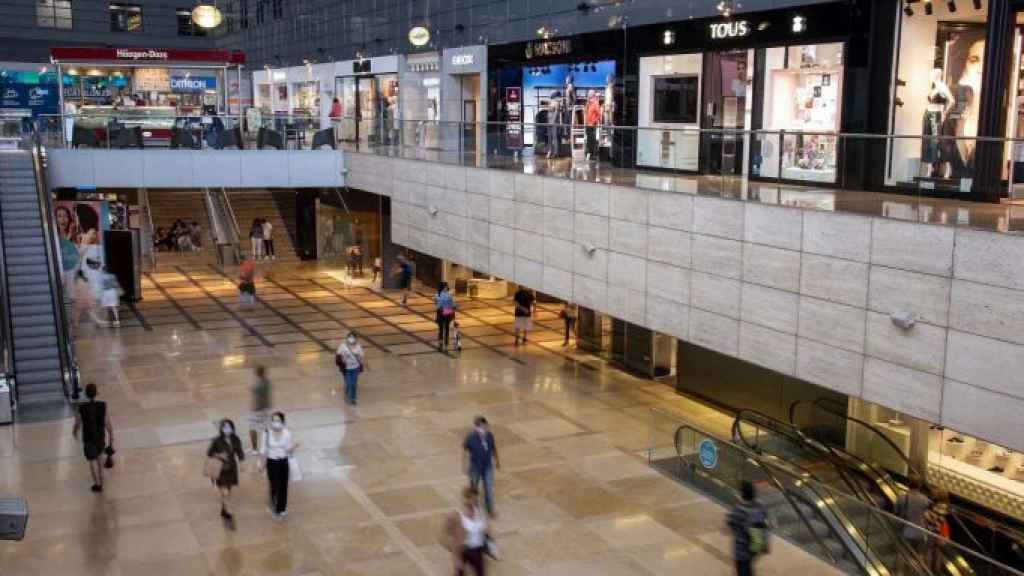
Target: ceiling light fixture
{"points": [[799, 24], [207, 16]]}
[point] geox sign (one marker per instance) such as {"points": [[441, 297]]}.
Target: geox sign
{"points": [[139, 54]]}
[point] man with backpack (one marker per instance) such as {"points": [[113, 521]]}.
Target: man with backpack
{"points": [[748, 521]]}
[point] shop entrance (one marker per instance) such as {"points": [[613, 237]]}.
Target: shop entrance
{"points": [[725, 108], [369, 109]]}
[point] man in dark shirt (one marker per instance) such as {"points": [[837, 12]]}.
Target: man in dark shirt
{"points": [[479, 451], [92, 419], [524, 310]]}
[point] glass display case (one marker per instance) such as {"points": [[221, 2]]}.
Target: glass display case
{"points": [[156, 121]]}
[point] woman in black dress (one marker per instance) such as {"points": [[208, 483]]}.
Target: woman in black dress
{"points": [[227, 448]]}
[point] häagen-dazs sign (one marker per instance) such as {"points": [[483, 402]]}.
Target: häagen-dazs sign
{"points": [[140, 54], [541, 48]]}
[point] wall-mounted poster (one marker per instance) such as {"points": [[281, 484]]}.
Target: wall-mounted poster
{"points": [[962, 53], [80, 227]]}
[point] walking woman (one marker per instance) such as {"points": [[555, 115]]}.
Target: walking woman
{"points": [[277, 449], [568, 314], [223, 455], [351, 361], [445, 305], [256, 239], [466, 532]]}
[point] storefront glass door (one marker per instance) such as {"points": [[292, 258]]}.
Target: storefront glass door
{"points": [[725, 108]]}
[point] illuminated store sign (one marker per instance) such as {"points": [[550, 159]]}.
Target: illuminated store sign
{"points": [[733, 29], [462, 60], [543, 48]]}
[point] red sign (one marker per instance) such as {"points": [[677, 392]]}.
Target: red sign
{"points": [[146, 55]]}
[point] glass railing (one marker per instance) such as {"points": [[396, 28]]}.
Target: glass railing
{"points": [[852, 535], [855, 173], [114, 130]]}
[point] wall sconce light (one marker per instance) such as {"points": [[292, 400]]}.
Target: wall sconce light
{"points": [[799, 24], [668, 38]]}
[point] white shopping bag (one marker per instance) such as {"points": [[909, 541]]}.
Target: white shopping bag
{"points": [[294, 471]]}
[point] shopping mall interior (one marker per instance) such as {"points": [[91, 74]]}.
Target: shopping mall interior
{"points": [[325, 289]]}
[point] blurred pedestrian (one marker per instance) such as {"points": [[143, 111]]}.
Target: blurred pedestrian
{"points": [[748, 521], [222, 458], [83, 299], [110, 297], [444, 305], [278, 448], [466, 535], [568, 314], [247, 282], [402, 272], [260, 408], [97, 433], [256, 239], [523, 312], [351, 361], [480, 458], [936, 521], [268, 240], [456, 337]]}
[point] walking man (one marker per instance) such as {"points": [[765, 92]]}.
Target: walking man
{"points": [[748, 521], [523, 313], [480, 458], [92, 419]]}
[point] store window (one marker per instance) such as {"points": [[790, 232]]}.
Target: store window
{"points": [[186, 27], [937, 91], [277, 8], [675, 99], [53, 14], [803, 98], [125, 18], [243, 14], [261, 10]]}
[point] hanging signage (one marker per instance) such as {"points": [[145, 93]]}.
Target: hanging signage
{"points": [[419, 36], [542, 48], [193, 83], [361, 66], [731, 29], [146, 55], [151, 80]]}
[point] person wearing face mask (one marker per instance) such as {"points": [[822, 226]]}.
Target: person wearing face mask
{"points": [[351, 361], [226, 448], [479, 452], [277, 449]]}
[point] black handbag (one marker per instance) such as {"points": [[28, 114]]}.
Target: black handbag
{"points": [[109, 462]]}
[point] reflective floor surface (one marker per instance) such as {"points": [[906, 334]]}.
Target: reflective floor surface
{"points": [[575, 495]]}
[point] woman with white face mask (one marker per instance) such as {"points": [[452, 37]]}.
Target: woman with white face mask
{"points": [[277, 449], [351, 362], [223, 455]]}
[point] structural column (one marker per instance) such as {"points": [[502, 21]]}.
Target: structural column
{"points": [[996, 71]]}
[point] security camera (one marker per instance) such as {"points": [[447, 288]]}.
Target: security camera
{"points": [[589, 248], [432, 210], [903, 319]]}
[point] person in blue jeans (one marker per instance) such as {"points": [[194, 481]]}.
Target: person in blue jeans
{"points": [[480, 456], [351, 361]]}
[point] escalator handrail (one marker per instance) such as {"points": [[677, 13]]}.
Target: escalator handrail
{"points": [[52, 249], [771, 477], [232, 220], [825, 405], [822, 405], [6, 324], [833, 457]]}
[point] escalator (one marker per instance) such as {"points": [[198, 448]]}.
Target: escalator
{"points": [[42, 354], [977, 530]]}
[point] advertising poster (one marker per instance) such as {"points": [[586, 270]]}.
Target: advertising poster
{"points": [[963, 53], [80, 227]]}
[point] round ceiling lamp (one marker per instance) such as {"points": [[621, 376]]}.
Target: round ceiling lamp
{"points": [[207, 16]]}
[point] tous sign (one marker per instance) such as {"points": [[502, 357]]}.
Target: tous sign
{"points": [[734, 29]]}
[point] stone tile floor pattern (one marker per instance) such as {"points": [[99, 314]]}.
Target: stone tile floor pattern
{"points": [[575, 495]]}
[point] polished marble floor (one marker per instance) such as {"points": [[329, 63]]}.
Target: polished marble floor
{"points": [[575, 494]]}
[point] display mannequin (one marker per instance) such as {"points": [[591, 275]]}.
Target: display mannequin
{"points": [[962, 119], [939, 101], [609, 100]]}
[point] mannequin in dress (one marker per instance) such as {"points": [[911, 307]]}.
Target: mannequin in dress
{"points": [[962, 119], [939, 101]]}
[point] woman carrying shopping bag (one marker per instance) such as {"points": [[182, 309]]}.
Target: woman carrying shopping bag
{"points": [[278, 451]]}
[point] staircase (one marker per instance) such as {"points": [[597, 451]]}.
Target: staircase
{"points": [[166, 206], [37, 354], [276, 206]]}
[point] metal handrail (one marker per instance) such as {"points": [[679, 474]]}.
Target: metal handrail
{"points": [[151, 231], [69, 366], [6, 323], [232, 220]]}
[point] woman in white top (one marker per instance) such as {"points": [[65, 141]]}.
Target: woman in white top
{"points": [[277, 448], [351, 362], [467, 533]]}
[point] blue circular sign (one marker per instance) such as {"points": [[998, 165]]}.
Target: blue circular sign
{"points": [[708, 454]]}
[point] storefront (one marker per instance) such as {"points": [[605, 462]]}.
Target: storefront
{"points": [[956, 74], [367, 90], [464, 73], [557, 81], [301, 91], [420, 110], [780, 71], [145, 87]]}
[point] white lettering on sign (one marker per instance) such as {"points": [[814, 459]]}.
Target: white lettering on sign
{"points": [[735, 29], [135, 54], [188, 84], [462, 60]]}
